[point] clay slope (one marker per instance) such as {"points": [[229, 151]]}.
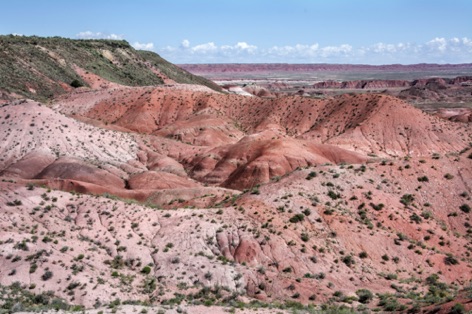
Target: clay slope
{"points": [[361, 224], [317, 236], [375, 124], [319, 221], [44, 147], [384, 125], [91, 251], [259, 157], [226, 157], [33, 135]]}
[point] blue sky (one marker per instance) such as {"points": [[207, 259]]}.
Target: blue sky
{"points": [[246, 31]]}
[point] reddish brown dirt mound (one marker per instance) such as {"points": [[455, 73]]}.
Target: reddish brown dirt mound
{"points": [[384, 125], [74, 169], [203, 130], [369, 124], [376, 124], [30, 165], [152, 180], [258, 158], [158, 162]]}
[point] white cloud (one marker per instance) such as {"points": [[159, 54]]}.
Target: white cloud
{"points": [[444, 45], [436, 50], [98, 35], [331, 51], [205, 48], [143, 46], [243, 46], [437, 43], [185, 44]]}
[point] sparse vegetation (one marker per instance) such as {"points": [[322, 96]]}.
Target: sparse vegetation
{"points": [[365, 296], [423, 179], [76, 83], [407, 199], [465, 208], [297, 218], [210, 224]]}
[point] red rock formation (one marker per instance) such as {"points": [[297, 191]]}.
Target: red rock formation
{"points": [[74, 169]]}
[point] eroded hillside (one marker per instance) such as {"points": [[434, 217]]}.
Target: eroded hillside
{"points": [[42, 68], [176, 193]]}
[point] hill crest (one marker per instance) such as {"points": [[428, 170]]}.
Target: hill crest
{"points": [[42, 68]]}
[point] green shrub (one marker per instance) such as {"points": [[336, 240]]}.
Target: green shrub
{"points": [[457, 309], [414, 217], [391, 276], [47, 275], [305, 237], [423, 179], [311, 175], [146, 270], [76, 84], [306, 212], [450, 260], [255, 191], [377, 207], [348, 260], [427, 214], [333, 195], [465, 208], [297, 218], [364, 295], [407, 199]]}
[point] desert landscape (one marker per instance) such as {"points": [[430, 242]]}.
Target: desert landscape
{"points": [[131, 184]]}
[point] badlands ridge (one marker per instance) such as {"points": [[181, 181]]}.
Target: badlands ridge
{"points": [[177, 193]]}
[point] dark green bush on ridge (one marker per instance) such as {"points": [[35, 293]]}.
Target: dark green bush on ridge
{"points": [[364, 295], [76, 84], [146, 270], [297, 218]]}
